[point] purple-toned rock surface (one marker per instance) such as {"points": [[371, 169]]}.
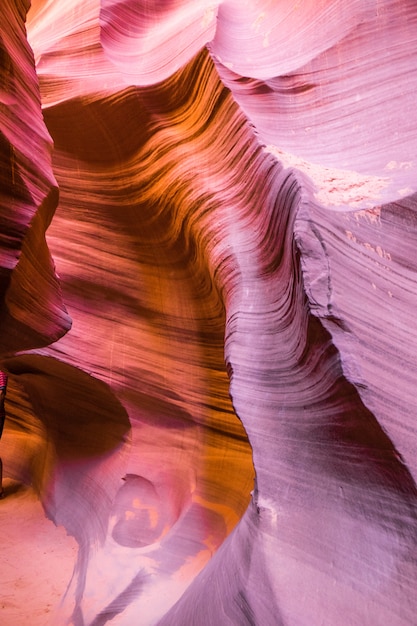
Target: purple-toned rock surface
{"points": [[208, 282]]}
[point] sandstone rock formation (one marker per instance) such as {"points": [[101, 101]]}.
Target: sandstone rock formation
{"points": [[208, 285]]}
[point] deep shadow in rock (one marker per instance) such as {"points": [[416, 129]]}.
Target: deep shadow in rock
{"points": [[81, 414], [85, 428]]}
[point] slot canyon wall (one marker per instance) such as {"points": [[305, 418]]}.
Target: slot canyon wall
{"points": [[208, 292]]}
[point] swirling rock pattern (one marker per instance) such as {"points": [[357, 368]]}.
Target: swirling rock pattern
{"points": [[215, 387]]}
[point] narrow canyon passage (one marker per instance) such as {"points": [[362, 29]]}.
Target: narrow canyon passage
{"points": [[207, 301]]}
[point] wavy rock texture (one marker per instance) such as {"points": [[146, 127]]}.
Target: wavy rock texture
{"points": [[215, 398]]}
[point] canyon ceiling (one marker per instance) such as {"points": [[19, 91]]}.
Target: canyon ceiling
{"points": [[208, 304]]}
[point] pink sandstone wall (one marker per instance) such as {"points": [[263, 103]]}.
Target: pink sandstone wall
{"points": [[208, 293]]}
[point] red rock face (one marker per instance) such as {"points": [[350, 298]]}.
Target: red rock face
{"points": [[207, 261]]}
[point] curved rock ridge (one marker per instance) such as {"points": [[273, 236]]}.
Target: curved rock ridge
{"points": [[364, 299], [304, 72], [149, 42], [32, 313], [132, 239], [240, 300], [315, 79], [335, 506]]}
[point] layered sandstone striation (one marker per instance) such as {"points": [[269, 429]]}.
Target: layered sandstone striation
{"points": [[208, 294]]}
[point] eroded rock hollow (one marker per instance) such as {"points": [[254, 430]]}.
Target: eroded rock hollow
{"points": [[208, 294]]}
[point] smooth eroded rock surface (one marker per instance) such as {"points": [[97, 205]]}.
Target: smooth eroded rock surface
{"points": [[208, 283]]}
